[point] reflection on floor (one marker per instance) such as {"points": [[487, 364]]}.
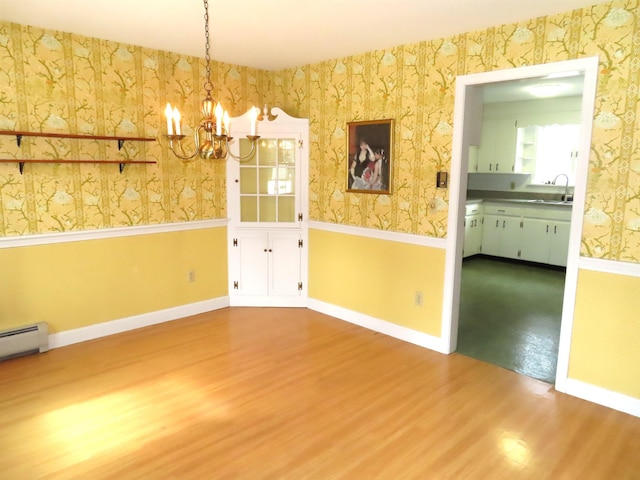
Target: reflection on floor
{"points": [[510, 315]]}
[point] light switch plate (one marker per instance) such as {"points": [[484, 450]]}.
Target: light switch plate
{"points": [[442, 179]]}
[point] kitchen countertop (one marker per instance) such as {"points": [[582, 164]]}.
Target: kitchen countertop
{"points": [[523, 201]]}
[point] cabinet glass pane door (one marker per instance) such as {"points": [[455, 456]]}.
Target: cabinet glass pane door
{"points": [[267, 181]]}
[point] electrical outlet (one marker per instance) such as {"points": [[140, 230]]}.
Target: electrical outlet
{"points": [[191, 276], [418, 299]]}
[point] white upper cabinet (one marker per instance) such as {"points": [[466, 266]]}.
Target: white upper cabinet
{"points": [[497, 151], [515, 137]]}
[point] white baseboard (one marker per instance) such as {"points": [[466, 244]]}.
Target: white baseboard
{"points": [[267, 301], [604, 397], [69, 337], [381, 326]]}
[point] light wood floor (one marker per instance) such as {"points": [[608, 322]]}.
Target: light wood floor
{"points": [[248, 393]]}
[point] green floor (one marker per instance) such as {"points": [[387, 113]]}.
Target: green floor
{"points": [[510, 315]]}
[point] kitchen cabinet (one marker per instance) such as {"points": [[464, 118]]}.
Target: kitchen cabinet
{"points": [[497, 150], [501, 232], [545, 235], [472, 229], [518, 230], [500, 150]]}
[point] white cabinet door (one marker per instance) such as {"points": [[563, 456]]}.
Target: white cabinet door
{"points": [[559, 248], [511, 237], [501, 236], [268, 267], [505, 156], [284, 264], [497, 150], [253, 266], [487, 147], [491, 235], [545, 241], [535, 240], [472, 235]]}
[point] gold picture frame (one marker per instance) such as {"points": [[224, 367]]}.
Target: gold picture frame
{"points": [[369, 156]]}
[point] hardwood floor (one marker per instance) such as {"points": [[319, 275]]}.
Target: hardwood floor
{"points": [[269, 393]]}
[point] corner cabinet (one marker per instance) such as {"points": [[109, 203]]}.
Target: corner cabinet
{"points": [[268, 209]]}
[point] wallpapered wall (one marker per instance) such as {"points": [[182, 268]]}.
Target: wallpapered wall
{"points": [[415, 85], [55, 81], [58, 82]]}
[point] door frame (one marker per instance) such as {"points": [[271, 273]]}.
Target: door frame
{"points": [[468, 103]]}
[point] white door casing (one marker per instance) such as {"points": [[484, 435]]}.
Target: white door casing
{"points": [[467, 116]]}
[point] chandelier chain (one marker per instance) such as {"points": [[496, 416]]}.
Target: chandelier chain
{"points": [[208, 86]]}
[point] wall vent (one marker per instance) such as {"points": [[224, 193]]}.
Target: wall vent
{"points": [[24, 340]]}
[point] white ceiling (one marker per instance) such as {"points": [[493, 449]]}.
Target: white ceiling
{"points": [[515, 90], [276, 34]]}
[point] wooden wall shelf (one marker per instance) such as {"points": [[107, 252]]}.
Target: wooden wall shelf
{"points": [[122, 163], [120, 139]]}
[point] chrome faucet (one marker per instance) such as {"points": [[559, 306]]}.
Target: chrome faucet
{"points": [[566, 186]]}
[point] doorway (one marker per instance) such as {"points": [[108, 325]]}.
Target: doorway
{"points": [[467, 121], [510, 313]]}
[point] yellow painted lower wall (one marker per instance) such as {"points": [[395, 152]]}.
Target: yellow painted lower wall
{"points": [[378, 278], [605, 345], [82, 283]]}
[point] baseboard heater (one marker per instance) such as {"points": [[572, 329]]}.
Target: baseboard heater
{"points": [[25, 340]]}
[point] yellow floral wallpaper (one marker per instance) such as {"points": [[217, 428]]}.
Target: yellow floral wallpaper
{"points": [[63, 83], [415, 84], [52, 81]]}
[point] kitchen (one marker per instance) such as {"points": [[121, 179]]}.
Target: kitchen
{"points": [[517, 223]]}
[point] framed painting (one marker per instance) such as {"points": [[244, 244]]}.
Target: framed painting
{"points": [[369, 156]]}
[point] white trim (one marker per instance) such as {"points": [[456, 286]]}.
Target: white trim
{"points": [[591, 67], [380, 234], [83, 235], [466, 84], [91, 332], [268, 301], [609, 266], [381, 326], [604, 397]]}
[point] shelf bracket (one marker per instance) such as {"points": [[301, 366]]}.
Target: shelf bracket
{"points": [[120, 144], [21, 165], [18, 139]]}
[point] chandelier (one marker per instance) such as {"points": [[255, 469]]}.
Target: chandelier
{"points": [[211, 137]]}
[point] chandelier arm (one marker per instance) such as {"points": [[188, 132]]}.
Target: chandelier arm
{"points": [[254, 141], [185, 156]]}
